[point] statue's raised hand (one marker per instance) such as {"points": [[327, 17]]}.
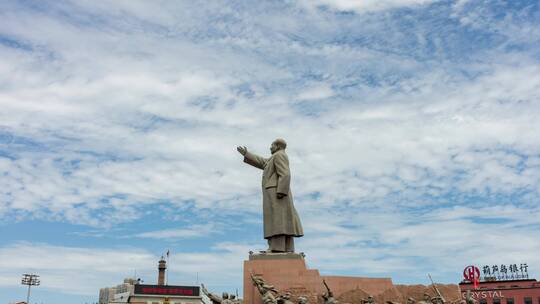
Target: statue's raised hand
{"points": [[242, 150]]}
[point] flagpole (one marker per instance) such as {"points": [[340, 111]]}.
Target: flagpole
{"points": [[169, 267]]}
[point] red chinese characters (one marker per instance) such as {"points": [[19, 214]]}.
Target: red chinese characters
{"points": [[168, 291]]}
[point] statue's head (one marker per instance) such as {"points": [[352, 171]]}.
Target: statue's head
{"points": [[411, 301], [278, 144], [427, 296], [437, 300], [232, 297], [302, 300], [225, 295]]}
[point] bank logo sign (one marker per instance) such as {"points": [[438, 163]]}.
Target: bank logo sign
{"points": [[472, 274], [488, 273]]}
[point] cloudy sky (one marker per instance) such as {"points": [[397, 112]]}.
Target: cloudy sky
{"points": [[412, 126]]}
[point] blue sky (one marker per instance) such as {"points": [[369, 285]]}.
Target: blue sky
{"points": [[412, 128]]}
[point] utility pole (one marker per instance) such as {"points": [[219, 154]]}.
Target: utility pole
{"points": [[30, 280]]}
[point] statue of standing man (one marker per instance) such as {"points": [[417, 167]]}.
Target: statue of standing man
{"points": [[281, 221]]}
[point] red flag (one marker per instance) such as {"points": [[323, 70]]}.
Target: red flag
{"points": [[476, 282]]}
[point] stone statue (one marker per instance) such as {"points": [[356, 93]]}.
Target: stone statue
{"points": [[437, 300], [284, 298], [281, 221], [329, 295], [369, 300], [224, 299], [302, 300], [411, 301], [469, 299], [233, 299], [426, 300], [268, 292]]}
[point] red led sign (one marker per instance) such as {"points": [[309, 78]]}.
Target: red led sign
{"points": [[167, 290], [175, 291]]}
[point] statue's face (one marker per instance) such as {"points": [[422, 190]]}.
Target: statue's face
{"points": [[274, 147]]}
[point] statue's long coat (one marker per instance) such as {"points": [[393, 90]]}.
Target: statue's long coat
{"points": [[280, 216]]}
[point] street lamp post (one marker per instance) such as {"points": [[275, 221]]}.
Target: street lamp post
{"points": [[30, 280]]}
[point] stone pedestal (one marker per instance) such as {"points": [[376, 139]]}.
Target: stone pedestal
{"points": [[288, 272]]}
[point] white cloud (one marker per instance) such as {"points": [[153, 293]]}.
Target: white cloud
{"points": [[316, 92], [383, 147], [387, 243], [72, 269], [190, 232], [363, 6], [84, 271], [405, 158], [373, 243]]}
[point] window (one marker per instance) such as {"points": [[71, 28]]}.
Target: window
{"points": [[497, 301], [527, 300], [509, 300]]}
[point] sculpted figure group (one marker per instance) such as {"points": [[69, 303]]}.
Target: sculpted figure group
{"points": [[438, 299], [328, 296], [270, 295]]}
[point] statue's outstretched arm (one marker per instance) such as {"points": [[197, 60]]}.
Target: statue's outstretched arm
{"points": [[255, 160]]}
